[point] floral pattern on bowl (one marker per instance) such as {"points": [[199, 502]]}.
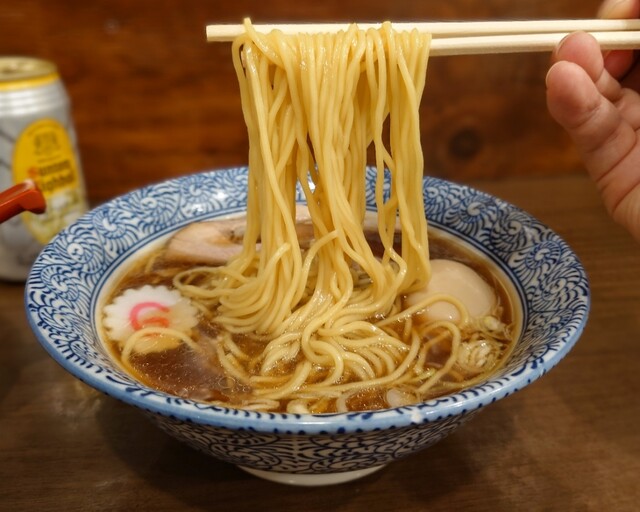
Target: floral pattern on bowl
{"points": [[70, 273]]}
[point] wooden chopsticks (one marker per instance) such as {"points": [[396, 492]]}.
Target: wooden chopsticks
{"points": [[475, 37]]}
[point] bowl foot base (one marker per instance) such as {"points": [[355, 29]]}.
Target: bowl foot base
{"points": [[311, 480]]}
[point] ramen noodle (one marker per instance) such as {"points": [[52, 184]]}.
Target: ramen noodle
{"points": [[331, 309]]}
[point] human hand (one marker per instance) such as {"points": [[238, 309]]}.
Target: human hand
{"points": [[620, 63], [594, 98]]}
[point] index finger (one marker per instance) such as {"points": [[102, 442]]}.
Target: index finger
{"points": [[618, 62]]}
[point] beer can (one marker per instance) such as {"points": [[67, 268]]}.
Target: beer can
{"points": [[38, 143]]}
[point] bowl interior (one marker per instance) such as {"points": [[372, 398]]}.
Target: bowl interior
{"points": [[68, 278]]}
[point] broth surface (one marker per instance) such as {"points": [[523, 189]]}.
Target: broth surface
{"points": [[198, 374]]}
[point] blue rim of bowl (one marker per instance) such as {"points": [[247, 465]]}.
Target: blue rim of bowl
{"points": [[481, 212]]}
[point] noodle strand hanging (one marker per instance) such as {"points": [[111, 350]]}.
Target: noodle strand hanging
{"points": [[321, 325]]}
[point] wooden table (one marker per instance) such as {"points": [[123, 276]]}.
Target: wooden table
{"points": [[569, 442]]}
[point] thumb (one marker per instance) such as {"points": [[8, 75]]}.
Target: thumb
{"points": [[593, 122], [607, 142]]}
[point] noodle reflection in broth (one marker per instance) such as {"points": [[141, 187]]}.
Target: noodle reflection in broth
{"points": [[338, 319]]}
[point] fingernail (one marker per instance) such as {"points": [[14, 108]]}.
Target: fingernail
{"points": [[556, 50], [562, 41], [546, 77], [549, 71]]}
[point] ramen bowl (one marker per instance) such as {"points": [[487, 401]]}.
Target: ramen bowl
{"points": [[68, 281]]}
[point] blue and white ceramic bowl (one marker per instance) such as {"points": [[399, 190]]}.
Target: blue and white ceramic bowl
{"points": [[68, 277]]}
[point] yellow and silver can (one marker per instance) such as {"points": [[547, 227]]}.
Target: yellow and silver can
{"points": [[38, 143]]}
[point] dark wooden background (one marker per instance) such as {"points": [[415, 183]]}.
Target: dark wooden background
{"points": [[153, 100]]}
